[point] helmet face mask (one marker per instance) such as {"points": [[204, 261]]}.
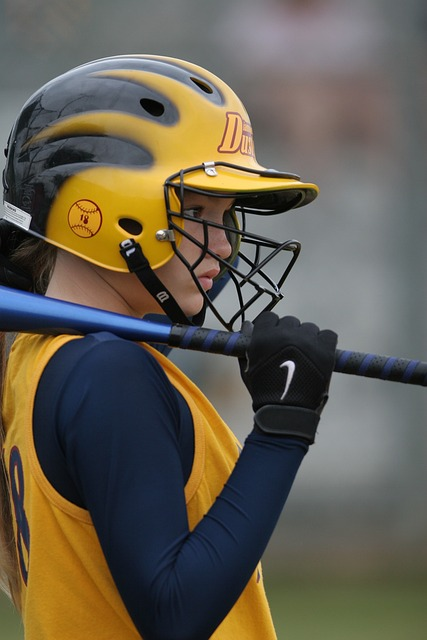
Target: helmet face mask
{"points": [[102, 155], [246, 266]]}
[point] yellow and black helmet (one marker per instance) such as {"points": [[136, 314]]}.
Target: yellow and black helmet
{"points": [[99, 156]]}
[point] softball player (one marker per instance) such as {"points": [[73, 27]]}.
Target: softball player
{"points": [[129, 507]]}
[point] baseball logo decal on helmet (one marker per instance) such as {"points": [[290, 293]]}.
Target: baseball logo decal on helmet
{"points": [[85, 218]]}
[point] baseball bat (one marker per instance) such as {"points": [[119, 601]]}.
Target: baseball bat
{"points": [[32, 313]]}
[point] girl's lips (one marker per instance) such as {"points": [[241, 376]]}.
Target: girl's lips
{"points": [[206, 279], [206, 282]]}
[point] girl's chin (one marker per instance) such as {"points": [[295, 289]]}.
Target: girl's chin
{"points": [[192, 306]]}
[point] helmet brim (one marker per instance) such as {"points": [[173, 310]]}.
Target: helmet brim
{"points": [[263, 191]]}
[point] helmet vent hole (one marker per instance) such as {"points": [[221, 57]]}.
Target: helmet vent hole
{"points": [[133, 227], [202, 85], [153, 107]]}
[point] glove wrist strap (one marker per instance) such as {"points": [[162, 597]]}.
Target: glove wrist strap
{"points": [[281, 420]]}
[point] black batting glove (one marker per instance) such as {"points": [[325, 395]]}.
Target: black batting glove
{"points": [[287, 371]]}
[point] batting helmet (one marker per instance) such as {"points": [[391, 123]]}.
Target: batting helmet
{"points": [[99, 158]]}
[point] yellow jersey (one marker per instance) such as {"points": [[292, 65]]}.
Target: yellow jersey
{"points": [[68, 592]]}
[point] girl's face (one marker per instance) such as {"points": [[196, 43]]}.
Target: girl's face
{"points": [[175, 275], [136, 301]]}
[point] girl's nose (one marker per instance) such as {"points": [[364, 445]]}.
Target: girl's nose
{"points": [[219, 242]]}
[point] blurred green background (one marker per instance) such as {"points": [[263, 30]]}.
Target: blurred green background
{"points": [[337, 92]]}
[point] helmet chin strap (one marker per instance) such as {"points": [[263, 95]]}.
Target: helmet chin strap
{"points": [[138, 264]]}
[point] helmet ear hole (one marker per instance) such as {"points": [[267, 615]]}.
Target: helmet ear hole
{"points": [[153, 107], [131, 226]]}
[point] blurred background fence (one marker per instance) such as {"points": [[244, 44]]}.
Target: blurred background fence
{"points": [[337, 92]]}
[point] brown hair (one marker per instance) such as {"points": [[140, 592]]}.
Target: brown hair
{"points": [[38, 259]]}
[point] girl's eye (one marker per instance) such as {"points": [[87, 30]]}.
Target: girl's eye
{"points": [[194, 212]]}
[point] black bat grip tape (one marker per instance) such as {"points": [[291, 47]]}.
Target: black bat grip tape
{"points": [[356, 363], [371, 365], [210, 340]]}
